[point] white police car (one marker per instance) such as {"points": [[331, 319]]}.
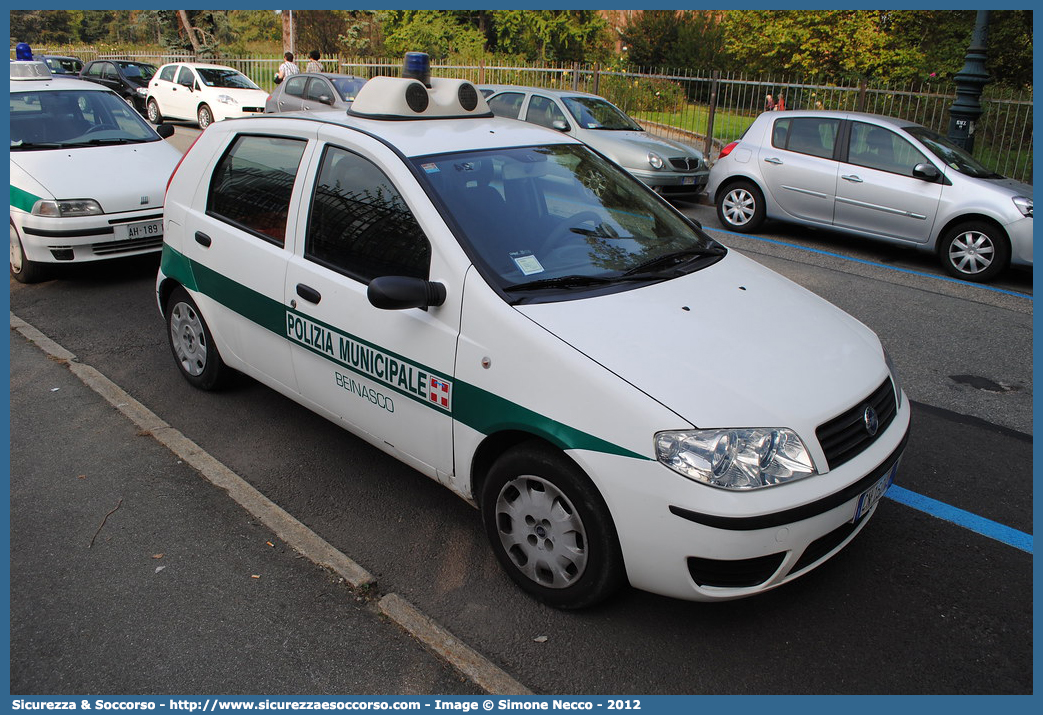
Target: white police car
{"points": [[87, 174], [503, 309]]}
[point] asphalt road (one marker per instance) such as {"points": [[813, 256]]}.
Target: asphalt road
{"points": [[916, 604]]}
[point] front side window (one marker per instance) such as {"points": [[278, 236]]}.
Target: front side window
{"points": [[878, 148], [507, 104], [360, 225], [548, 223], [816, 136], [543, 111], [252, 185], [186, 77]]}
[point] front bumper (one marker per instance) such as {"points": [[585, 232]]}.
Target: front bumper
{"points": [[88, 238], [689, 541], [1020, 233], [234, 111], [673, 184]]}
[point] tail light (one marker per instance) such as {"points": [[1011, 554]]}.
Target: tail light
{"points": [[728, 150]]}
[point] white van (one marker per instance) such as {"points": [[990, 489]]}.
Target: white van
{"points": [[516, 317]]}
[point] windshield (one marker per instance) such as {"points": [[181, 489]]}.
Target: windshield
{"points": [[596, 113], [138, 71], [559, 222], [225, 77], [952, 155], [66, 118], [348, 87]]}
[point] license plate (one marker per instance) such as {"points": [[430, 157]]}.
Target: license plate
{"points": [[687, 180], [871, 496], [141, 229]]}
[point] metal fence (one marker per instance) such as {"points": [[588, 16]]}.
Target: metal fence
{"points": [[710, 109]]}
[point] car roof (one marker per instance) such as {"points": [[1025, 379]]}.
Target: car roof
{"points": [[425, 136], [497, 88], [330, 75], [881, 119], [55, 83], [202, 65]]}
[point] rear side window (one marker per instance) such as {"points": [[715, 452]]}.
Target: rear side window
{"points": [[816, 136], [167, 73], [507, 104], [295, 86], [360, 225], [252, 184]]}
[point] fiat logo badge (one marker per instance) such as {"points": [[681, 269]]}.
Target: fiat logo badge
{"points": [[871, 421]]}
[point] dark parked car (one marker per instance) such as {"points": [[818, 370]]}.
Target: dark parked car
{"points": [[127, 79], [309, 90], [61, 65]]}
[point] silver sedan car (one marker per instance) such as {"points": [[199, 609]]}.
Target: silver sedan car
{"points": [[308, 90], [877, 177], [670, 168]]}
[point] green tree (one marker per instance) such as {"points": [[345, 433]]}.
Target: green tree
{"points": [[552, 35], [42, 27], [689, 39], [439, 33]]}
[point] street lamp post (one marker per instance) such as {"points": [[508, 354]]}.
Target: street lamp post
{"points": [[969, 83]]}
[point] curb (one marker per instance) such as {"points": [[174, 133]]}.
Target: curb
{"points": [[289, 530]]}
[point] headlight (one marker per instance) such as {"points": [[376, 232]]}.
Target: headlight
{"points": [[1024, 204], [141, 92], [894, 379], [655, 160], [66, 208], [736, 458], [226, 99]]}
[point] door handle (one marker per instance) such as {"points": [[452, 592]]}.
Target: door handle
{"points": [[853, 178], [772, 160], [308, 293], [203, 240]]}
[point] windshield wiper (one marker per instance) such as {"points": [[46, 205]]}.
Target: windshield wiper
{"points": [[36, 145], [571, 281], [675, 260]]}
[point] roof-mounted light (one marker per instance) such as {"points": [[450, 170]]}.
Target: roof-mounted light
{"points": [[416, 95], [30, 69]]}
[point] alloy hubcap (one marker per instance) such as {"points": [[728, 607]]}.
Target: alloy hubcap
{"points": [[541, 532], [972, 252], [188, 339], [739, 207]]}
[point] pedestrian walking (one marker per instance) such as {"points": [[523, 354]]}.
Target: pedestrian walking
{"points": [[287, 68], [313, 62], [769, 103]]}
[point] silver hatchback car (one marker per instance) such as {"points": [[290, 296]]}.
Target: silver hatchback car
{"points": [[670, 168], [877, 177]]}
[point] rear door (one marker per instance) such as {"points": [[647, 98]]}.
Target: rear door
{"points": [[387, 373], [161, 89], [241, 246], [291, 98], [877, 192], [799, 166]]}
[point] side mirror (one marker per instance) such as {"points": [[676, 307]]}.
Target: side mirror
{"points": [[165, 130], [561, 125], [401, 292], [326, 99], [926, 171]]}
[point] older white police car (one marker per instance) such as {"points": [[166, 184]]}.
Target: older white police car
{"points": [[87, 174], [518, 318]]}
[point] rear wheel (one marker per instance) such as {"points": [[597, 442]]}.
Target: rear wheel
{"points": [[550, 528], [192, 344], [974, 251], [154, 115], [741, 207], [24, 270], [205, 117]]}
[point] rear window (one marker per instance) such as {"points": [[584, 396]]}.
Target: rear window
{"points": [[252, 185]]}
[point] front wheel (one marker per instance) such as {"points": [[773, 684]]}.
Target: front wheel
{"points": [[154, 115], [205, 117], [22, 269], [974, 251], [741, 207], [192, 344], [550, 529]]}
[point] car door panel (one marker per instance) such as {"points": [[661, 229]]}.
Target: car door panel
{"points": [[386, 373], [798, 168]]}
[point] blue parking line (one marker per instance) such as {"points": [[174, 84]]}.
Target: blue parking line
{"points": [[946, 512], [874, 264]]}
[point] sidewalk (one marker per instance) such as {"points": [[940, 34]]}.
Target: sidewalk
{"points": [[131, 574]]}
